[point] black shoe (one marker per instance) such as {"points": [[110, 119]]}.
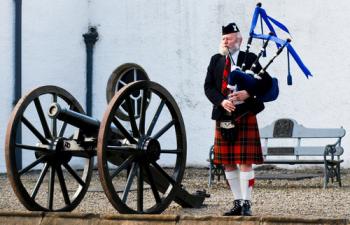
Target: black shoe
{"points": [[246, 208], [236, 210]]}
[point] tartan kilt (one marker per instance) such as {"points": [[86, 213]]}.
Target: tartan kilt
{"points": [[246, 149]]}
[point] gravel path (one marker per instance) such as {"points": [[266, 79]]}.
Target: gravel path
{"points": [[271, 197]]}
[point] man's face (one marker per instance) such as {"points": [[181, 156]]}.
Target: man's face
{"points": [[232, 41]]}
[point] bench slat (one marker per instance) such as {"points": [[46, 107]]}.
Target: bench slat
{"points": [[302, 132], [292, 162], [280, 151], [307, 133], [299, 131], [300, 151], [316, 150]]}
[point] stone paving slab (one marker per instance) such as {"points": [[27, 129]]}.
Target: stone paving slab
{"points": [[41, 218]]}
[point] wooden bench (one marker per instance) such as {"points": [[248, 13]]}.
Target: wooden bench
{"points": [[299, 152], [283, 131]]}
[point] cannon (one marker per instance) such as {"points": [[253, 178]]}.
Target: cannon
{"points": [[142, 155]]}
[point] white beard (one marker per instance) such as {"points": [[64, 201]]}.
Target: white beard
{"points": [[224, 50]]}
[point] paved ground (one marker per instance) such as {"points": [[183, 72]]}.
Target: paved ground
{"points": [[302, 198]]}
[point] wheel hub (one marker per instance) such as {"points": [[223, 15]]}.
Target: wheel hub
{"points": [[151, 148], [57, 155]]}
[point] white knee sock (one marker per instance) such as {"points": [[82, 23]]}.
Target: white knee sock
{"points": [[247, 183], [234, 182]]}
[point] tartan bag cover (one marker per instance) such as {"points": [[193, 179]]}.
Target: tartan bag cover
{"points": [[246, 149]]}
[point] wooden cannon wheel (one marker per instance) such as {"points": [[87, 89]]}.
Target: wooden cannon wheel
{"points": [[42, 144], [143, 172], [123, 75]]}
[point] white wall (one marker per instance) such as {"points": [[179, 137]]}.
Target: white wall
{"points": [[53, 46], [173, 41], [6, 71]]}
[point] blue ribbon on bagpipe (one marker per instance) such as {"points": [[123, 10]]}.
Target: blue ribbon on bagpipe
{"points": [[269, 21]]}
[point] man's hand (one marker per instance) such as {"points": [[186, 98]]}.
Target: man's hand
{"points": [[238, 96], [228, 105]]}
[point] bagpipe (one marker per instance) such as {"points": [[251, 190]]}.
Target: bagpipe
{"points": [[248, 78]]}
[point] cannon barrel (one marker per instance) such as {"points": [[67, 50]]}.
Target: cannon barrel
{"points": [[89, 125]]}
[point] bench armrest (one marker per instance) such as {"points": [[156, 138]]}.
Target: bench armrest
{"points": [[337, 142], [330, 150], [211, 154]]}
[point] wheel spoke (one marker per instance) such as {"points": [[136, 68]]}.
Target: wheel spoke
{"points": [[135, 74], [131, 176], [34, 130], [122, 166], [164, 129], [132, 120], [153, 185], [33, 164], [143, 112], [63, 185], [155, 118], [35, 148], [126, 134], [42, 118], [40, 180], [74, 174], [54, 121], [54, 98], [168, 151], [139, 189], [51, 188], [122, 82], [63, 129]]}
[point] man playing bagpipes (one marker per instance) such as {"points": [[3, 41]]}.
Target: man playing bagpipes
{"points": [[237, 86], [235, 143]]}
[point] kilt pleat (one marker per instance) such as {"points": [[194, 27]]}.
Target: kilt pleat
{"points": [[245, 149]]}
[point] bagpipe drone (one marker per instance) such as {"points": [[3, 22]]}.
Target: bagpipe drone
{"points": [[248, 78]]}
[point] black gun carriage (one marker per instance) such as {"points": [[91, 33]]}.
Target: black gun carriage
{"points": [[141, 131]]}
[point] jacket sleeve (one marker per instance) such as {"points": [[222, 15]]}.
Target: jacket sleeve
{"points": [[210, 89]]}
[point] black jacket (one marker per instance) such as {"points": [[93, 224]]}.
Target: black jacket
{"points": [[212, 84]]}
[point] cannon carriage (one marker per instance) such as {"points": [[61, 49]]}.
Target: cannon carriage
{"points": [[142, 130]]}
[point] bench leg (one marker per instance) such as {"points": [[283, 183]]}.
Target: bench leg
{"points": [[326, 176], [338, 174], [209, 176], [332, 171], [212, 173]]}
